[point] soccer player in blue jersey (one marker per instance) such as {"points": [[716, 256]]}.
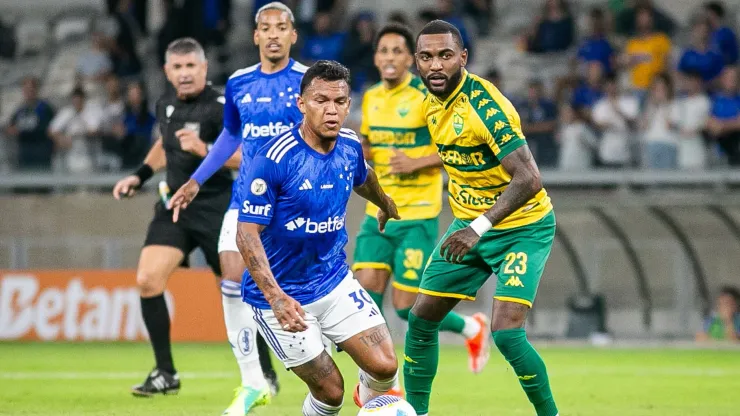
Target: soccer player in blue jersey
{"points": [[260, 103], [291, 235]]}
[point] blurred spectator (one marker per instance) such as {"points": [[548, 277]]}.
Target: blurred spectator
{"points": [[8, 42], [137, 130], [358, 52], [553, 31], [138, 9], [699, 57], [724, 323], [94, 65], [596, 46], [110, 126], [689, 117], [74, 132], [588, 93], [481, 11], [647, 53], [661, 144], [539, 122], [171, 29], [627, 25], [324, 42], [614, 115], [29, 125], [724, 39], [125, 59], [724, 124], [577, 140], [446, 11], [400, 17]]}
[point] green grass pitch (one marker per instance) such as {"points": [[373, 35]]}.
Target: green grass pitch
{"points": [[94, 379]]}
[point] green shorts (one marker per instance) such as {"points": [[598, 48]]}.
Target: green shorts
{"points": [[402, 249], [517, 256]]}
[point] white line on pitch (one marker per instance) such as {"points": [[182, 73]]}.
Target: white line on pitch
{"points": [[63, 375]]}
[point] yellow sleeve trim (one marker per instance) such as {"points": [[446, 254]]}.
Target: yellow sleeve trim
{"points": [[515, 300], [371, 265], [405, 288], [446, 295]]}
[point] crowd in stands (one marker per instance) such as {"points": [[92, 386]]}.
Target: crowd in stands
{"points": [[643, 92]]}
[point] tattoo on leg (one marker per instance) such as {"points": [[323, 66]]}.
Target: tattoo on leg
{"points": [[375, 337], [316, 371]]}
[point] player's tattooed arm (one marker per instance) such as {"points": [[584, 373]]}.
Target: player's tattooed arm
{"points": [[525, 183], [287, 311]]}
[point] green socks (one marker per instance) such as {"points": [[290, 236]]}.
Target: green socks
{"points": [[403, 313], [421, 357], [377, 298], [452, 323], [528, 366]]}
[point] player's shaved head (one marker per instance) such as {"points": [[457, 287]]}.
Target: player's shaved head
{"points": [[440, 57], [275, 5], [324, 99], [440, 27], [274, 33]]}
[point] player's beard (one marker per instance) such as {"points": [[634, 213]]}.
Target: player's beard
{"points": [[452, 83]]}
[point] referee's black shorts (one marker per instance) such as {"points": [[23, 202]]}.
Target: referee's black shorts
{"points": [[198, 226]]}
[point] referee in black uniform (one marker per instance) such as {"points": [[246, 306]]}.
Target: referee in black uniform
{"points": [[190, 118]]}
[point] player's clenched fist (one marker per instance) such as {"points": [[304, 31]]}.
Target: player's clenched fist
{"points": [[126, 187], [190, 142], [289, 313], [386, 213], [183, 197]]}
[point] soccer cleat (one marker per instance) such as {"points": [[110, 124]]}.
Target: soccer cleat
{"points": [[246, 399], [392, 392], [157, 382], [479, 346]]}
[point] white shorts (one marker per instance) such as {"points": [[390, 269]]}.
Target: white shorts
{"points": [[345, 312], [227, 238]]}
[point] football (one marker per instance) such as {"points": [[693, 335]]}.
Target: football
{"points": [[387, 406]]}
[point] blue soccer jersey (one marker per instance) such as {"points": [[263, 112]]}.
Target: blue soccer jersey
{"points": [[258, 107], [301, 196]]}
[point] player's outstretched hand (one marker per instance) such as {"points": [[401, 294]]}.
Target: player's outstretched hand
{"points": [[289, 313], [401, 163], [126, 187], [390, 211], [457, 245], [183, 197]]}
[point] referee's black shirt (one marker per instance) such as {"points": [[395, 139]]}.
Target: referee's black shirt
{"points": [[204, 114]]}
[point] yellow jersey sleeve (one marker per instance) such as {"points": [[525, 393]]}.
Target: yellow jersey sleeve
{"points": [[503, 128]]}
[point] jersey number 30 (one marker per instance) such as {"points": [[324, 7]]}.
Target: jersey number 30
{"points": [[360, 298]]}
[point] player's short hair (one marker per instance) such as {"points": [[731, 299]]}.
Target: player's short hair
{"points": [[730, 291], [275, 5], [326, 70], [715, 7], [184, 46], [440, 27], [396, 29]]}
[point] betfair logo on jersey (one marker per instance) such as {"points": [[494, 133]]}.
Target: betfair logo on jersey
{"points": [[261, 210], [457, 123], [270, 130], [331, 225], [514, 281]]}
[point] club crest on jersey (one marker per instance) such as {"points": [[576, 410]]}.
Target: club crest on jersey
{"points": [[457, 123], [169, 110], [404, 109], [258, 186]]}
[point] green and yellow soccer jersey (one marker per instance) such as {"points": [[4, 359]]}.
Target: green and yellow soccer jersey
{"points": [[393, 119], [474, 129]]}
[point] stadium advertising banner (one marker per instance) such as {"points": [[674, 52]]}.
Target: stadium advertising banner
{"points": [[103, 305]]}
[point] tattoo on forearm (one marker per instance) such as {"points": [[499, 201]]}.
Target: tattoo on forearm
{"points": [[520, 190], [375, 337], [255, 258], [371, 190]]}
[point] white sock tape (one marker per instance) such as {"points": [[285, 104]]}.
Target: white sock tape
{"points": [[481, 225]]}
